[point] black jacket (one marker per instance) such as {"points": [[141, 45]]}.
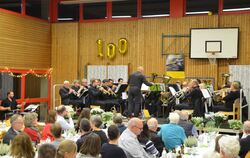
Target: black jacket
{"points": [[137, 79], [157, 141], [65, 96], [244, 146]]}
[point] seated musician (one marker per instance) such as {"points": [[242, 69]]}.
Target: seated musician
{"points": [[120, 80], [111, 85], [83, 91], [195, 95], [96, 96], [75, 98], [184, 101], [9, 104], [65, 92], [234, 93]]}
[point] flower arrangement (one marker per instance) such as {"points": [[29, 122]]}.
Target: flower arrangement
{"points": [[107, 117], [191, 141], [197, 121], [235, 124], [96, 111], [219, 118], [70, 110], [4, 149]]}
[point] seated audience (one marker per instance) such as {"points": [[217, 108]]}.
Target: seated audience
{"points": [[50, 119], [61, 114], [153, 126], [16, 122], [229, 146], [128, 140], [211, 154], [111, 149], [21, 147], [46, 151], [56, 131], [96, 122], [117, 119], [91, 147], [172, 134], [146, 143], [30, 123], [67, 149], [85, 113], [85, 129], [190, 129], [245, 140]]}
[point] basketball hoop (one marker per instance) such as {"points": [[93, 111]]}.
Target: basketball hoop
{"points": [[212, 58]]}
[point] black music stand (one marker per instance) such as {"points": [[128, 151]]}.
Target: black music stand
{"points": [[121, 88]]}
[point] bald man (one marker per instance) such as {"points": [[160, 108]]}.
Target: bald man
{"points": [[153, 126], [128, 140], [135, 82], [245, 140], [65, 92]]}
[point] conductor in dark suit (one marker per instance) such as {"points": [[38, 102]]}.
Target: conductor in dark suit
{"points": [[135, 82]]}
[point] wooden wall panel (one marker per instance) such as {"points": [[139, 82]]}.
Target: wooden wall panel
{"points": [[144, 38], [24, 43]]}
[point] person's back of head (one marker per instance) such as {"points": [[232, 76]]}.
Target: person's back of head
{"points": [[85, 125], [113, 132], [117, 119], [96, 121], [229, 146], [174, 118], [67, 149], [56, 130], [246, 127], [21, 146], [51, 117], [152, 124], [46, 151], [91, 145], [184, 116], [60, 109]]}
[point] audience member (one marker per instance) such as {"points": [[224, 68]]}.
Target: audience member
{"points": [[117, 119], [30, 123], [50, 119], [245, 141], [211, 154], [190, 129], [153, 126], [128, 140], [172, 134], [217, 146], [96, 122], [147, 144], [85, 113], [16, 122], [91, 147], [56, 131], [67, 149], [85, 129], [46, 151], [229, 147], [61, 114], [111, 148], [21, 147]]}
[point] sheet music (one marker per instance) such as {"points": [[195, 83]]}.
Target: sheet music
{"points": [[32, 106], [144, 87], [172, 90], [205, 93]]}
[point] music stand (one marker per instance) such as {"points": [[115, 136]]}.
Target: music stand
{"points": [[121, 88], [207, 97]]}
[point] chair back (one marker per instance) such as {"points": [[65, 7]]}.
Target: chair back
{"points": [[236, 108]]}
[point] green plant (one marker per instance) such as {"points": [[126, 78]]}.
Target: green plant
{"points": [[191, 141], [235, 124], [107, 117], [197, 121], [219, 118]]}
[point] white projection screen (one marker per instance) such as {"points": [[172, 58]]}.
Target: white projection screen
{"points": [[214, 43]]}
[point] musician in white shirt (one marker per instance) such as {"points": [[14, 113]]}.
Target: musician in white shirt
{"points": [[61, 114]]}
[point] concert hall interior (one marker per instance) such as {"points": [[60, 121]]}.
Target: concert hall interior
{"points": [[166, 73]]}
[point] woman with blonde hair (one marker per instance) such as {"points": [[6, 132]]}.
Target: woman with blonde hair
{"points": [[30, 123], [21, 147], [67, 149]]}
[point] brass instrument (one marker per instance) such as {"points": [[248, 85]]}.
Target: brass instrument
{"points": [[104, 91], [219, 94]]}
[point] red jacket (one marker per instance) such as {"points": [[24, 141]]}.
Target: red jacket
{"points": [[33, 134], [46, 132]]}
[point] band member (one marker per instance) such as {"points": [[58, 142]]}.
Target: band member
{"points": [[96, 94], [75, 87], [134, 94], [111, 84], [195, 95], [9, 104], [120, 80], [233, 94], [65, 93]]}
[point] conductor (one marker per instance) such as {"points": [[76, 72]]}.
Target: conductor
{"points": [[135, 82]]}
